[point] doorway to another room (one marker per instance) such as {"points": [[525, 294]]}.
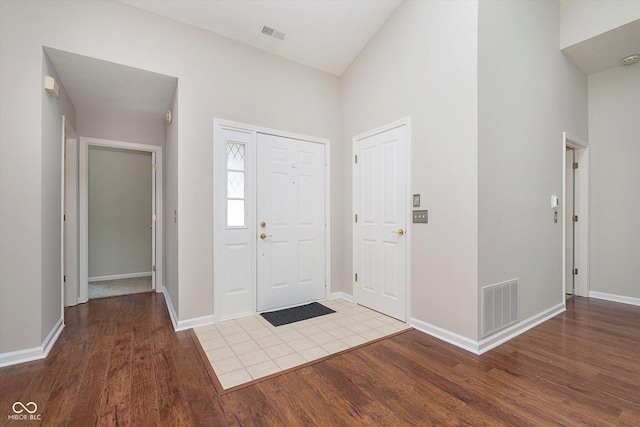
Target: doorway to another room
{"points": [[120, 218], [120, 209]]}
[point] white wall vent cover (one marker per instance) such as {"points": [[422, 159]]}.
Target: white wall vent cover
{"points": [[268, 31], [499, 306]]}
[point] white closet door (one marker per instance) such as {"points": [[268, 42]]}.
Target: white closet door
{"points": [[380, 244]]}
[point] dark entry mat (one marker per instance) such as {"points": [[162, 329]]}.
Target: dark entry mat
{"points": [[296, 314]]}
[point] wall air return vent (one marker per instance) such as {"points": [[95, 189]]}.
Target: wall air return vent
{"points": [[499, 306], [270, 32]]}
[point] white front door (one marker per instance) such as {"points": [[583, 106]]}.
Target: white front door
{"points": [[291, 222], [380, 222]]}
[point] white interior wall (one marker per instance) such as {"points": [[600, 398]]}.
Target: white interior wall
{"points": [[170, 175], [120, 193], [582, 20], [21, 205], [50, 179], [121, 126], [423, 64], [529, 93], [218, 78], [614, 139], [243, 81]]}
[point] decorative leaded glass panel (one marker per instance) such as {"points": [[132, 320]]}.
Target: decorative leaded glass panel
{"points": [[235, 156], [235, 185]]}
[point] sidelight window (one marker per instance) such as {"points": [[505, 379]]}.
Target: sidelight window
{"points": [[236, 184]]}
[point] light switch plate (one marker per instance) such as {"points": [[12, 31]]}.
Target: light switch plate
{"points": [[420, 217]]}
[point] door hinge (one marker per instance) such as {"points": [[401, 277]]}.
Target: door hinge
{"points": [[575, 165], [154, 167], [575, 218], [356, 158], [356, 217], [575, 271], [154, 218], [356, 277], [153, 267], [64, 217], [64, 279]]}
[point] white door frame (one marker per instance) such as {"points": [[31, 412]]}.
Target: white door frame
{"points": [[69, 217], [219, 211], [408, 200], [581, 229], [84, 208]]}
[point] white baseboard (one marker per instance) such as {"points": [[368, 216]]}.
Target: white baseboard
{"points": [[482, 346], [36, 353], [615, 298], [519, 328], [181, 325], [172, 312], [119, 276], [194, 323], [344, 296], [444, 335]]}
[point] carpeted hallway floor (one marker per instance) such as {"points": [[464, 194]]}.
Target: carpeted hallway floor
{"points": [[112, 288]]}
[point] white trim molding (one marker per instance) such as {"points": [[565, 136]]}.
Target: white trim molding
{"points": [[36, 353], [172, 311], [341, 295], [196, 322], [615, 298], [120, 276], [445, 335], [480, 347], [505, 335], [581, 194], [183, 325], [83, 201]]}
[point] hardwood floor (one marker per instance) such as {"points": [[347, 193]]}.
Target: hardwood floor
{"points": [[118, 362]]}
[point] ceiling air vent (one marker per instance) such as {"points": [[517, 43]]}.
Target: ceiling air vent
{"points": [[268, 31]]}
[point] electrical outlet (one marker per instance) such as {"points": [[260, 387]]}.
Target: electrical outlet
{"points": [[421, 217]]}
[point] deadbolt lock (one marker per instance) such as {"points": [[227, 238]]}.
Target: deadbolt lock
{"points": [[263, 224]]}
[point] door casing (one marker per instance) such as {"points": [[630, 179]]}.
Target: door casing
{"points": [[581, 228], [569, 225], [69, 215], [224, 307], [157, 249]]}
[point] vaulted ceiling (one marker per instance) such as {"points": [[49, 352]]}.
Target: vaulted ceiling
{"points": [[323, 34]]}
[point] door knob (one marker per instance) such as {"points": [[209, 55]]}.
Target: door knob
{"points": [[264, 236], [400, 232]]}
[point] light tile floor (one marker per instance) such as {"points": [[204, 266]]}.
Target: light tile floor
{"points": [[245, 349]]}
